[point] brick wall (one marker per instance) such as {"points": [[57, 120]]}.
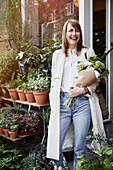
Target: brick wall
{"points": [[3, 40]]}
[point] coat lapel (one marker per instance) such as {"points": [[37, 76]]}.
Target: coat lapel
{"points": [[60, 64]]}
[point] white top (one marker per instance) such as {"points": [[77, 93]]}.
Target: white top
{"points": [[70, 69]]}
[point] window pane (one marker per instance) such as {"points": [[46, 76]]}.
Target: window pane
{"points": [[55, 13]]}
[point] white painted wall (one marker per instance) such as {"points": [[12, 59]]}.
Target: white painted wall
{"points": [[85, 20]]}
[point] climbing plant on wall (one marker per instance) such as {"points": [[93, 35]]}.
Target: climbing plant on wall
{"points": [[12, 19]]}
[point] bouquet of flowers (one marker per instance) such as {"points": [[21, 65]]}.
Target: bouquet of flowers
{"points": [[89, 72]]}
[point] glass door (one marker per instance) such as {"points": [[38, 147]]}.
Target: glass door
{"points": [[99, 36]]}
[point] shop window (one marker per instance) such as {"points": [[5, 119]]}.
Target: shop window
{"points": [[70, 9]]}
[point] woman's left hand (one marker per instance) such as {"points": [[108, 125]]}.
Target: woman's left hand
{"points": [[76, 91]]}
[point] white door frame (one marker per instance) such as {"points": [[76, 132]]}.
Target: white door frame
{"points": [[86, 22], [109, 39]]}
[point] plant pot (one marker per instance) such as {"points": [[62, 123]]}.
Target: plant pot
{"points": [[6, 131], [48, 96], [1, 130], [13, 134], [40, 129], [30, 96], [21, 132], [41, 97], [13, 93], [21, 95], [27, 133]]}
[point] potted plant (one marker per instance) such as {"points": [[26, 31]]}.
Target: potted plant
{"points": [[29, 92], [33, 123], [2, 119], [20, 88], [11, 86], [7, 126], [41, 87], [21, 124], [28, 120], [8, 65], [13, 129], [28, 86]]}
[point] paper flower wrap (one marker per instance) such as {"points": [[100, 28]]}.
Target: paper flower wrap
{"points": [[85, 78], [88, 73]]}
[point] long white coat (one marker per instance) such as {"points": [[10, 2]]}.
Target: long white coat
{"points": [[54, 124]]}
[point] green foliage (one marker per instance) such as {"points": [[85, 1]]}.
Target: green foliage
{"points": [[13, 127], [11, 84], [31, 76], [2, 121], [37, 57], [13, 20], [20, 81], [103, 161], [9, 157], [8, 65], [42, 82], [7, 123], [47, 53], [35, 160], [46, 115], [93, 62], [30, 162], [16, 108]]}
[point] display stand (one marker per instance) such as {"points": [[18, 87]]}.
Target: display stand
{"points": [[29, 104]]}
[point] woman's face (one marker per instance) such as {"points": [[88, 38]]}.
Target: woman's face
{"points": [[72, 36]]}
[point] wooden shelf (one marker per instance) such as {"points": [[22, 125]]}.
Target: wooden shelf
{"points": [[25, 102], [29, 104], [18, 137]]}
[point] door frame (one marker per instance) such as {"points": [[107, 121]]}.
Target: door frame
{"points": [[86, 22]]}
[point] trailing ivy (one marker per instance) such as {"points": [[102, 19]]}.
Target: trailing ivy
{"points": [[100, 139]]}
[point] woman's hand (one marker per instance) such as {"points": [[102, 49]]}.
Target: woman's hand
{"points": [[76, 91]]}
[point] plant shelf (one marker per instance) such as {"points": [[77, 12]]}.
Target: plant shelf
{"points": [[24, 102], [18, 138], [29, 104]]}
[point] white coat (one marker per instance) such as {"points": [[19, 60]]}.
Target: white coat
{"points": [[54, 124]]}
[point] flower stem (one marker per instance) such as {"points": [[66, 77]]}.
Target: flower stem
{"points": [[68, 101]]}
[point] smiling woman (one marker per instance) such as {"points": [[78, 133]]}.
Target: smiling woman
{"points": [[73, 36], [61, 135]]}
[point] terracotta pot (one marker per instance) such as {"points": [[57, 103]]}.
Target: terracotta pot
{"points": [[6, 131], [48, 96], [1, 130], [22, 95], [13, 93], [30, 96], [41, 97], [13, 135], [21, 132], [40, 129], [27, 133]]}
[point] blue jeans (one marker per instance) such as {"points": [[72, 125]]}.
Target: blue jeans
{"points": [[79, 112]]}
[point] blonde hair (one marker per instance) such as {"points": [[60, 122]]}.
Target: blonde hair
{"points": [[76, 25]]}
